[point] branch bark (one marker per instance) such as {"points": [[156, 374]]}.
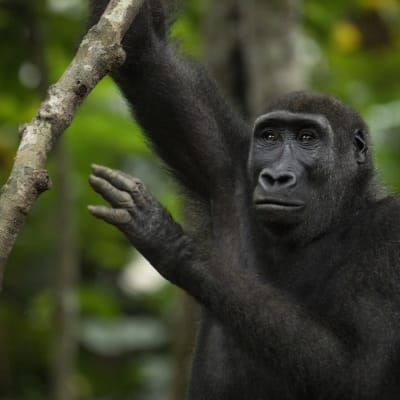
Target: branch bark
{"points": [[99, 53]]}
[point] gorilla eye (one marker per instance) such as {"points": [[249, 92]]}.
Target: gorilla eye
{"points": [[269, 136], [306, 136]]}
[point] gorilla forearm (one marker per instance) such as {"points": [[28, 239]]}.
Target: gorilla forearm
{"points": [[289, 338]]}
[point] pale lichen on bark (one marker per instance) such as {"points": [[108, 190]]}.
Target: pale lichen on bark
{"points": [[99, 53]]}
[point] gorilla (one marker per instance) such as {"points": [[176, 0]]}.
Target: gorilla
{"points": [[294, 249]]}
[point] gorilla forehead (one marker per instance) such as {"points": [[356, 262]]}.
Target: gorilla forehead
{"points": [[342, 118], [289, 116]]}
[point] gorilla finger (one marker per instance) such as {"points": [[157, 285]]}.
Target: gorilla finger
{"points": [[120, 179], [114, 216], [114, 196]]}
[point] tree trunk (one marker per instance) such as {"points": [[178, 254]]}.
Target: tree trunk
{"points": [[251, 50], [66, 310], [184, 331]]}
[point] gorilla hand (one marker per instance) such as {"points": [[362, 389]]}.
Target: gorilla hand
{"points": [[146, 224]]}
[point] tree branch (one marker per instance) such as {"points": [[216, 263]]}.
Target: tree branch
{"points": [[99, 53]]}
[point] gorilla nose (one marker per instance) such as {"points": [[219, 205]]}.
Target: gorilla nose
{"points": [[270, 179]]}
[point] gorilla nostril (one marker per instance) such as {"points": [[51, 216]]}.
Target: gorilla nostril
{"points": [[275, 179], [286, 179], [269, 179]]}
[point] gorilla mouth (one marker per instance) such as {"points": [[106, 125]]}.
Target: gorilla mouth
{"points": [[278, 204]]}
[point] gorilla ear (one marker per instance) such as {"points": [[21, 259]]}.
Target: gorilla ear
{"points": [[361, 146]]}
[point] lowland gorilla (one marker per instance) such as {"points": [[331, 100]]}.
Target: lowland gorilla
{"points": [[295, 252]]}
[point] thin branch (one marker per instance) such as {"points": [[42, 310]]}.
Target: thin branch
{"points": [[99, 53]]}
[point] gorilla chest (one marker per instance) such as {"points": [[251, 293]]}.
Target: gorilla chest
{"points": [[312, 276]]}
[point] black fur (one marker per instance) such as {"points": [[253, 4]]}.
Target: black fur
{"points": [[297, 304]]}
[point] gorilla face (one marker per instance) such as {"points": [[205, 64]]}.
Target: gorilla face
{"points": [[296, 171]]}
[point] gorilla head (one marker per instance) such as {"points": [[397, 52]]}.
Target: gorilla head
{"points": [[309, 165]]}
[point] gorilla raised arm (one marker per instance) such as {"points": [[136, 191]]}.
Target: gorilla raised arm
{"points": [[191, 114], [300, 279]]}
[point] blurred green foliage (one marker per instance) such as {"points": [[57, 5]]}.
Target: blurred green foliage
{"points": [[351, 49], [354, 52]]}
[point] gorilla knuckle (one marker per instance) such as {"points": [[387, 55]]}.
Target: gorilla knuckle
{"points": [[121, 217], [136, 186], [125, 200]]}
